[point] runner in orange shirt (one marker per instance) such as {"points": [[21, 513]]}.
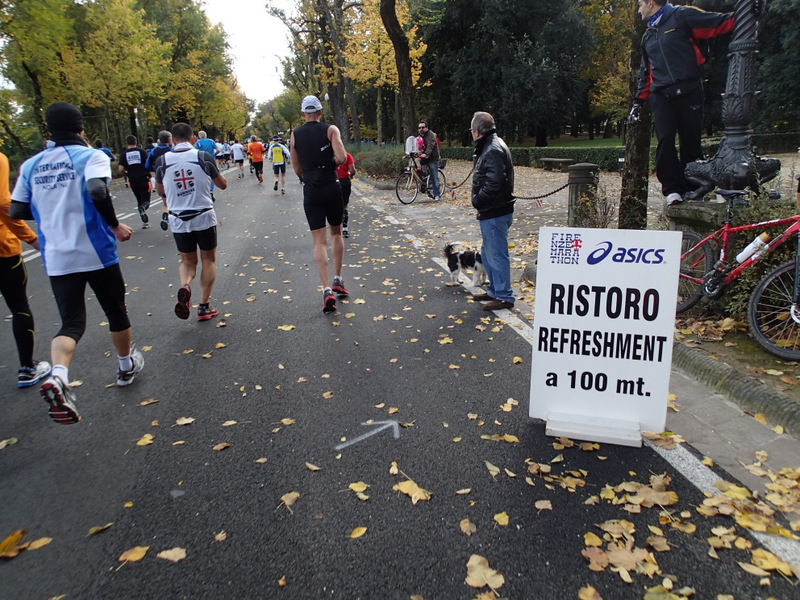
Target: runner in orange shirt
{"points": [[256, 150]]}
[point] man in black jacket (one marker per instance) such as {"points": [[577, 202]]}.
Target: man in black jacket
{"points": [[493, 198], [670, 77]]}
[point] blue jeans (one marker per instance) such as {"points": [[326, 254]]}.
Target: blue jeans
{"points": [[433, 169], [494, 254]]}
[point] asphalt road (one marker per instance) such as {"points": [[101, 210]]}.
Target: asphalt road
{"points": [[403, 347]]}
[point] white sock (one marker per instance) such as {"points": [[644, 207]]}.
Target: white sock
{"points": [[125, 363], [61, 372]]}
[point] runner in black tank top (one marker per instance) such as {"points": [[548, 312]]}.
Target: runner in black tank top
{"points": [[316, 149]]}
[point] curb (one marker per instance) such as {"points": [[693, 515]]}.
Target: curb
{"points": [[748, 393], [376, 184]]}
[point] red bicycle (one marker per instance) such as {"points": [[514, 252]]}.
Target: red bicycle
{"points": [[773, 310]]}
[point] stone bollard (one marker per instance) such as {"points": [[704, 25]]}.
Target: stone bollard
{"points": [[583, 179]]}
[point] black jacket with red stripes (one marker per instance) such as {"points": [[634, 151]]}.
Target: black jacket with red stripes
{"points": [[671, 48]]}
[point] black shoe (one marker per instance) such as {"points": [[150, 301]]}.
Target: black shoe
{"points": [[164, 222], [275, 187]]}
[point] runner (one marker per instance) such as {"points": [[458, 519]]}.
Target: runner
{"points": [[279, 155], [79, 232], [316, 149], [256, 150], [237, 151], [184, 177], [345, 172], [207, 145], [14, 284], [132, 163], [164, 146], [226, 154]]}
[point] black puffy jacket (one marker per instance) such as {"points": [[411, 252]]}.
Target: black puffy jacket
{"points": [[493, 179]]}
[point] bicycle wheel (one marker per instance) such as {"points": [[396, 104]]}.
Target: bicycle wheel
{"points": [[442, 183], [695, 264], [769, 313], [406, 188]]}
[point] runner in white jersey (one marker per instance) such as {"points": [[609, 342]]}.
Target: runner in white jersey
{"points": [[237, 150], [65, 188], [184, 177]]}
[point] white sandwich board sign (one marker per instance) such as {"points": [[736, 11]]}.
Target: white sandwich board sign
{"points": [[603, 332]]}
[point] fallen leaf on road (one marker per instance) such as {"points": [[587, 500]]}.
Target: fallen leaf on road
{"points": [[174, 555], [311, 467], [286, 327], [479, 574], [184, 421], [289, 499], [98, 529], [221, 536], [221, 446], [145, 440], [357, 532], [135, 554], [467, 527], [501, 519]]}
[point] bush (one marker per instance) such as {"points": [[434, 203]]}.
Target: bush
{"points": [[378, 163]]}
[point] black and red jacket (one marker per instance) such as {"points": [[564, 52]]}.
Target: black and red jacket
{"points": [[671, 47]]}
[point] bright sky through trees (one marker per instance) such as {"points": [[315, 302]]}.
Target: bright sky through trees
{"points": [[257, 41]]}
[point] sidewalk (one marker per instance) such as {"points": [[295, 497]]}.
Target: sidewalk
{"points": [[715, 403]]}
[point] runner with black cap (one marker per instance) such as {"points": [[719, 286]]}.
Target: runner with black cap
{"points": [[65, 188]]}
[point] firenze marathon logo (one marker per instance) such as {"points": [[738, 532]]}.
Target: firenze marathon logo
{"points": [[565, 248], [184, 181]]}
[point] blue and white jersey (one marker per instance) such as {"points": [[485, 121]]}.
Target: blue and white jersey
{"points": [[73, 237]]}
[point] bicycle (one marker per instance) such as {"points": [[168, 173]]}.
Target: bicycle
{"points": [[414, 179], [773, 309]]}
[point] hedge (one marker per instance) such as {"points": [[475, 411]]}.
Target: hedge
{"points": [[607, 158]]}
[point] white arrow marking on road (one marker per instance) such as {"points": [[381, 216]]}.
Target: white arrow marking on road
{"points": [[395, 425]]}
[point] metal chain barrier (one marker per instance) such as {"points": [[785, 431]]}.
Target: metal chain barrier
{"points": [[538, 198], [566, 185]]}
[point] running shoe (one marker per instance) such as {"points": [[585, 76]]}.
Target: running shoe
{"points": [[184, 304], [328, 301], [145, 225], [126, 377], [275, 187], [283, 192], [338, 286], [145, 218], [345, 233], [28, 376], [61, 400], [204, 313]]}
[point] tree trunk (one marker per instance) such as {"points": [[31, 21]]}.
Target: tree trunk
{"points": [[38, 101], [132, 122], [379, 113], [14, 138], [335, 26], [398, 121], [636, 170], [403, 60]]}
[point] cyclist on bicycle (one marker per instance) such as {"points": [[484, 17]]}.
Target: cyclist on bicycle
{"points": [[429, 156]]}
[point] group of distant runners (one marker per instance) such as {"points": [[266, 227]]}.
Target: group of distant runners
{"points": [[65, 188]]}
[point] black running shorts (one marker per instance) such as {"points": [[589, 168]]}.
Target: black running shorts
{"points": [[323, 203], [189, 242], [279, 168]]}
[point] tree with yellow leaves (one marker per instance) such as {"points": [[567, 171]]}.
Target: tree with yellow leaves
{"points": [[370, 58]]}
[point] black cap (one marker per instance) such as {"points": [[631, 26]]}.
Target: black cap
{"points": [[63, 117]]}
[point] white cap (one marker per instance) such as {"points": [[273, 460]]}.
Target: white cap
{"points": [[310, 104]]}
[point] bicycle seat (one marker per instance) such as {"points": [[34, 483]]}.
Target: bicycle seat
{"points": [[729, 194]]}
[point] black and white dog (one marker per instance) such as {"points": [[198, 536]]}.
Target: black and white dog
{"points": [[459, 260]]}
